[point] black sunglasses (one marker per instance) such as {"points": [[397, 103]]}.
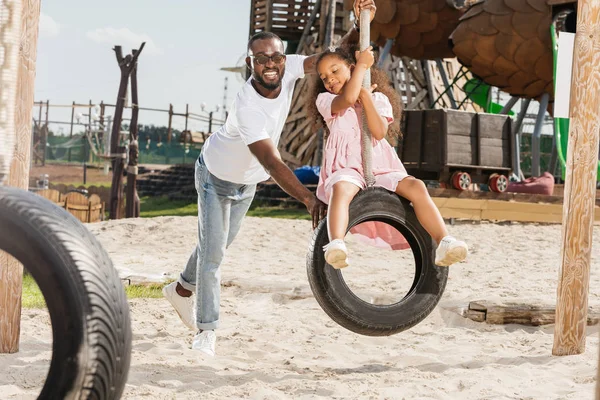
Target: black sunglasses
{"points": [[262, 59]]}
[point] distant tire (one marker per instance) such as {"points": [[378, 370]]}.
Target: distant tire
{"points": [[91, 329], [498, 183], [461, 180], [343, 306]]}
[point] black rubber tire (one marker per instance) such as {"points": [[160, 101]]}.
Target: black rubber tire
{"points": [[353, 313], [89, 312]]}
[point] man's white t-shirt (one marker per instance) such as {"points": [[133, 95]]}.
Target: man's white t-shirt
{"points": [[252, 118]]}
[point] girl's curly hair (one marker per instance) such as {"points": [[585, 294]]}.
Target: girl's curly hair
{"points": [[378, 77]]}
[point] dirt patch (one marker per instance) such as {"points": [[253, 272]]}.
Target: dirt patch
{"points": [[70, 174]]}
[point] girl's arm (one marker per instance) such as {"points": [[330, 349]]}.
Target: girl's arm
{"points": [[351, 90], [378, 125]]}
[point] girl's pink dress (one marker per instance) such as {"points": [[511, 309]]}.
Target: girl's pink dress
{"points": [[342, 161]]}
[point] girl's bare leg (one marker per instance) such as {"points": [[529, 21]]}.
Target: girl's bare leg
{"points": [[428, 214], [450, 250], [337, 213], [336, 253]]}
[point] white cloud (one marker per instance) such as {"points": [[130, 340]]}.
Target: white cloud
{"points": [[125, 38], [48, 26]]}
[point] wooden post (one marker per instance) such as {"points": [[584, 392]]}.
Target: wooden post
{"points": [[126, 65], [580, 184], [71, 129], [116, 151], [11, 271], [323, 21], [38, 155], [90, 155], [101, 122], [330, 26], [170, 129], [45, 132], [187, 114], [132, 200]]}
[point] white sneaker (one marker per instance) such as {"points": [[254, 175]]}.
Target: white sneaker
{"points": [[450, 251], [184, 306], [205, 342], [336, 254]]}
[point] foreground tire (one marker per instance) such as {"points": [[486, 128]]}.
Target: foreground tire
{"points": [[343, 306], [91, 329]]}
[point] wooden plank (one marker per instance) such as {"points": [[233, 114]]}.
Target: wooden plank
{"points": [[477, 316], [468, 204], [296, 116], [416, 76], [497, 205], [461, 124], [299, 97], [495, 210], [309, 153], [417, 100], [305, 146], [515, 313], [461, 213], [296, 132], [291, 9], [289, 158], [519, 216]]}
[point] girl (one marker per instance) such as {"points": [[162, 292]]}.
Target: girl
{"points": [[341, 100]]}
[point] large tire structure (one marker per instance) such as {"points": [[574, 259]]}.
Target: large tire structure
{"points": [[343, 306], [88, 308]]}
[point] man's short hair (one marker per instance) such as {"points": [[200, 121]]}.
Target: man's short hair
{"points": [[262, 36]]}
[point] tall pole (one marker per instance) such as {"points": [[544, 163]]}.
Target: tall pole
{"points": [[118, 153], [580, 184], [132, 201], [170, 128], [187, 114], [71, 129], [18, 37]]}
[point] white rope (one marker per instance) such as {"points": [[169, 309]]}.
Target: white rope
{"points": [[367, 144], [10, 30]]}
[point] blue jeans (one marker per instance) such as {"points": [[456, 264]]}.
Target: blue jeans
{"points": [[222, 206]]}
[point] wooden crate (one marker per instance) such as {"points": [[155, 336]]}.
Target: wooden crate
{"points": [[286, 18], [436, 143]]}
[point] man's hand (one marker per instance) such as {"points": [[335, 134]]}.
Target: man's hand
{"points": [[267, 154], [317, 209], [360, 5]]}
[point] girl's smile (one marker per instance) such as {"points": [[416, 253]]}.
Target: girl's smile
{"points": [[334, 73]]}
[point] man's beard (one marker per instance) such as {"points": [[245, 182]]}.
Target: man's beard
{"points": [[269, 86]]}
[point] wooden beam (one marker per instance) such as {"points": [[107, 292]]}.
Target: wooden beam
{"points": [[515, 313], [580, 185], [498, 210], [27, 13]]}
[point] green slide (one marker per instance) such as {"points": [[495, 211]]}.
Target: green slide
{"points": [[561, 125], [478, 92]]}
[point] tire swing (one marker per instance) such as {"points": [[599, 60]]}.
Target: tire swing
{"points": [[89, 313], [377, 204]]}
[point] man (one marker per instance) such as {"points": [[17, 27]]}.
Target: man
{"points": [[242, 153]]}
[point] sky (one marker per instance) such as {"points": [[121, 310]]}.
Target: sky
{"points": [[187, 42]]}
